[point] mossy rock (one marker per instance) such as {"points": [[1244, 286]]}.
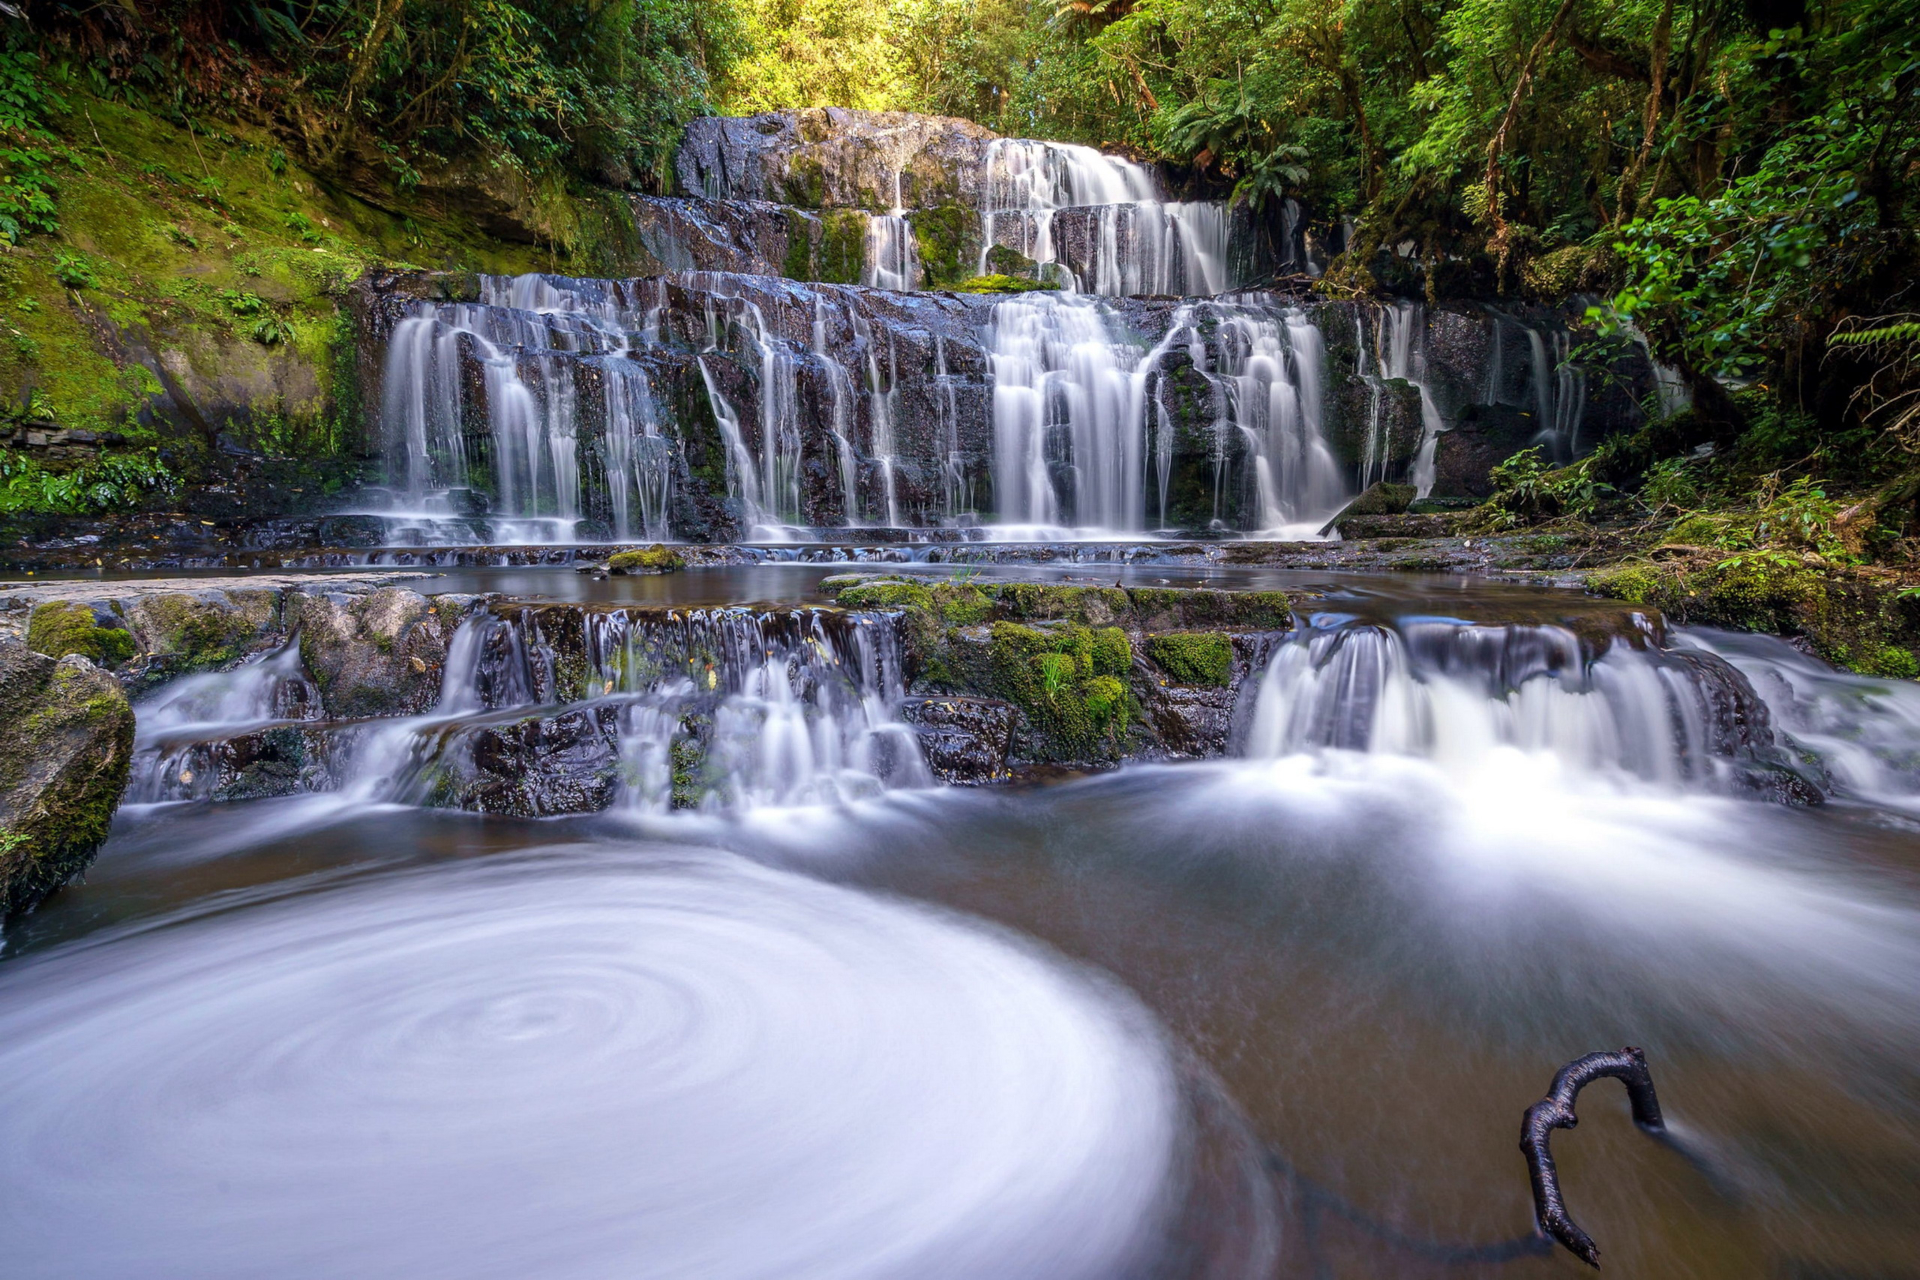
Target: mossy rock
{"points": [[653, 559], [1851, 621], [60, 627], [1002, 260], [182, 632], [1201, 658], [942, 236], [1066, 682], [1001, 284], [62, 771]]}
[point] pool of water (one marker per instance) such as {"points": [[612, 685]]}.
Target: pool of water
{"points": [[1272, 1016]]}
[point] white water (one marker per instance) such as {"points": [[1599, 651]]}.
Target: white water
{"points": [[803, 706], [577, 1063], [1136, 241]]}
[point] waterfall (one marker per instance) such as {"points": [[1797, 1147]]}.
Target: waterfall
{"points": [[892, 256], [639, 456], [1268, 391], [1126, 238], [559, 708], [840, 415], [1399, 354], [1559, 393], [1068, 416], [522, 480], [763, 475], [1458, 694]]}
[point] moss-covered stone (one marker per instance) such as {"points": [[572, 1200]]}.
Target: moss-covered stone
{"points": [[654, 559], [1851, 620], [186, 633], [60, 627], [1202, 658], [843, 246], [997, 283], [944, 237], [62, 769], [1073, 710]]}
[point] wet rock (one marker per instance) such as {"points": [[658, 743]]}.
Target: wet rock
{"points": [[377, 653], [60, 627], [548, 763], [644, 560], [278, 760], [965, 740], [1190, 722], [184, 632], [834, 157], [62, 770]]}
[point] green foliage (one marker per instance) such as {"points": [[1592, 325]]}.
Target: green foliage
{"points": [[27, 186], [256, 316], [1000, 284], [73, 270], [116, 483], [599, 90], [1527, 489], [657, 558]]}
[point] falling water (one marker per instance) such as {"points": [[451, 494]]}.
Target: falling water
{"points": [[763, 474], [1126, 238], [892, 257], [1268, 391], [1068, 420]]}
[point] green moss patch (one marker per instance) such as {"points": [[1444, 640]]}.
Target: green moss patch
{"points": [[1195, 658], [654, 559], [60, 627], [1000, 284], [1852, 620]]}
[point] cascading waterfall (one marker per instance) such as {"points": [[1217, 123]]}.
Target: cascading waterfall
{"points": [[1268, 393], [1128, 239], [1459, 694], [892, 256], [1068, 397], [754, 709], [1559, 393], [841, 400], [764, 475], [525, 336], [1400, 355]]}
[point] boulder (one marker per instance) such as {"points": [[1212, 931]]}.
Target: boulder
{"points": [[62, 770]]}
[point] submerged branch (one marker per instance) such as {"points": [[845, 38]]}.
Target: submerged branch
{"points": [[1555, 1111]]}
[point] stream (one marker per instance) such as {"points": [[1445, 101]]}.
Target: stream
{"points": [[1272, 1015]]}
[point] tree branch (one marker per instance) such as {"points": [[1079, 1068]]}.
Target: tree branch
{"points": [[1555, 1111]]}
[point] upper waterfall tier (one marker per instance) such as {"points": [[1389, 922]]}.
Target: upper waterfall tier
{"points": [[908, 201]]}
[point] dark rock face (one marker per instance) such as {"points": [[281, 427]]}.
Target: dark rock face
{"points": [[69, 744], [965, 740], [834, 157]]}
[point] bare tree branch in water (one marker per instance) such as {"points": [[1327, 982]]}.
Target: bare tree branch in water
{"points": [[1555, 1111]]}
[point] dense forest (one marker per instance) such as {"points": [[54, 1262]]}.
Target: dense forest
{"points": [[1737, 181]]}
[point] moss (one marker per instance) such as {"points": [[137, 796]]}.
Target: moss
{"points": [[799, 260], [1049, 673], [1000, 284], [70, 741], [941, 236], [887, 593], [654, 559], [1003, 260], [1852, 621], [60, 627], [190, 633], [843, 246], [1193, 658]]}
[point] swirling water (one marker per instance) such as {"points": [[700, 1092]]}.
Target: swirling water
{"points": [[1037, 1032]]}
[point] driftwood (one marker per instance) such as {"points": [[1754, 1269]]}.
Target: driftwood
{"points": [[1555, 1111]]}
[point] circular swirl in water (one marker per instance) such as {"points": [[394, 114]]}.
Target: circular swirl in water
{"points": [[576, 1064]]}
